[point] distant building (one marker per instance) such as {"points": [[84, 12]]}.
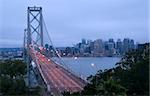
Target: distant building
{"points": [[126, 44], [112, 41], [119, 47], [136, 45], [95, 48], [11, 53], [131, 45], [68, 51], [109, 48], [83, 41], [98, 47], [140, 46], [88, 42], [92, 46], [106, 45], [87, 50]]}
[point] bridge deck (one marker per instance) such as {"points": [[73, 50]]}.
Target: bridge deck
{"points": [[58, 78]]}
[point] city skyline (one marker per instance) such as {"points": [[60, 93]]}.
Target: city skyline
{"points": [[94, 48], [80, 41], [70, 21], [84, 48]]}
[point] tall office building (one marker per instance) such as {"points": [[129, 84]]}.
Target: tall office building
{"points": [[112, 41], [88, 42], [98, 47], [111, 48], [91, 46], [131, 45], [119, 46], [83, 41], [126, 44]]}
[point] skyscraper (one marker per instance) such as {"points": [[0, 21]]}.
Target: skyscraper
{"points": [[98, 47], [112, 41], [131, 45], [92, 46], [83, 41], [126, 44], [119, 47]]}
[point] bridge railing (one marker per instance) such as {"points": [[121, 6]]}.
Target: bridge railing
{"points": [[39, 68], [70, 71]]}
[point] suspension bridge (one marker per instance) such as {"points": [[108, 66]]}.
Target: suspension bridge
{"points": [[54, 77]]}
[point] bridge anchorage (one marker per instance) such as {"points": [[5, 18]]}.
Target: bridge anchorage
{"points": [[42, 70]]}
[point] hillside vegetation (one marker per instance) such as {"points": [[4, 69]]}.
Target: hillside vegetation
{"points": [[130, 77]]}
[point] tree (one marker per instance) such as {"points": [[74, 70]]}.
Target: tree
{"points": [[12, 68], [11, 77], [133, 71], [103, 83], [129, 77], [46, 46]]}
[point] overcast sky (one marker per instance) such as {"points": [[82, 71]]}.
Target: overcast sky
{"points": [[68, 21]]}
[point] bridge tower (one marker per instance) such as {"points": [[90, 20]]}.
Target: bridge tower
{"points": [[35, 26], [34, 36]]}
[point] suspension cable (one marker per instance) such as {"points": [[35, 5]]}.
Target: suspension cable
{"points": [[59, 57]]}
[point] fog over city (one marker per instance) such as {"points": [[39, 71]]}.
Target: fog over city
{"points": [[68, 21]]}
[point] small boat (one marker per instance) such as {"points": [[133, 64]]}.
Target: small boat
{"points": [[75, 58]]}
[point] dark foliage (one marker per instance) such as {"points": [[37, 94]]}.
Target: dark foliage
{"points": [[12, 81], [11, 77], [129, 77], [12, 68]]}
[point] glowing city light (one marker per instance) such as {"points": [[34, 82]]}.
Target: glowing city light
{"points": [[92, 64], [75, 58]]}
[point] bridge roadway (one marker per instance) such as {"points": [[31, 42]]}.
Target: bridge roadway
{"points": [[57, 78]]}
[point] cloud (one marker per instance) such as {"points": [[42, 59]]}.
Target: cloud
{"points": [[68, 21]]}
